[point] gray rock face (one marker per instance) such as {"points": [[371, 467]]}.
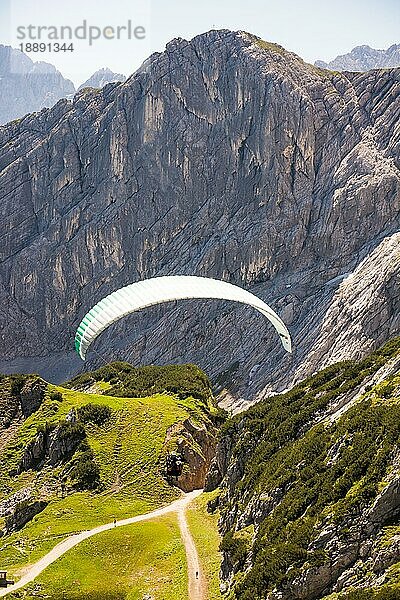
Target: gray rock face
{"points": [[32, 395], [53, 444], [101, 78], [34, 453], [191, 448], [218, 465], [22, 514], [27, 86], [364, 58], [8, 505], [224, 157]]}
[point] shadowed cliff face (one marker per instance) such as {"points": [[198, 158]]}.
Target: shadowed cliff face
{"points": [[224, 157]]}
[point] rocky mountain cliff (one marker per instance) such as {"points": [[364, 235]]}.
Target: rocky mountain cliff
{"points": [[364, 58], [27, 86], [224, 156], [101, 78], [309, 488]]}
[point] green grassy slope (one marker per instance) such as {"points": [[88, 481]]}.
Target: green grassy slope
{"points": [[129, 563], [204, 528], [126, 449]]}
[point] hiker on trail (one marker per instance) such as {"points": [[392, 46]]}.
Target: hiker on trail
{"points": [[197, 574], [115, 522]]}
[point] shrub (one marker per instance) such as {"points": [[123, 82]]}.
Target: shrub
{"points": [[235, 547], [94, 413], [82, 380], [183, 380], [115, 369], [57, 396], [85, 471], [71, 431]]}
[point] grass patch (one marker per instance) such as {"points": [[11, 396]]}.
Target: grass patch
{"points": [[387, 592], [204, 529], [270, 46], [123, 563]]}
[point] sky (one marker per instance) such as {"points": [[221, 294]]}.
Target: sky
{"points": [[314, 29]]}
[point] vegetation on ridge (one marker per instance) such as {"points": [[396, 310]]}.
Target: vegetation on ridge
{"points": [[308, 473], [127, 381]]}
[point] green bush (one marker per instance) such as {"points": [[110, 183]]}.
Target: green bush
{"points": [[116, 369], [235, 547], [85, 472], [80, 381], [56, 396], [71, 431], [183, 380], [94, 413]]}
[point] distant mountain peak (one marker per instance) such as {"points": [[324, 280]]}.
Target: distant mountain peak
{"points": [[364, 58], [28, 86], [101, 78]]}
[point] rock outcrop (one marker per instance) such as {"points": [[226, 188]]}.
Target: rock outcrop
{"points": [[53, 444], [32, 395], [226, 157], [364, 58], [23, 513], [20, 396], [188, 451], [7, 506], [10, 408]]}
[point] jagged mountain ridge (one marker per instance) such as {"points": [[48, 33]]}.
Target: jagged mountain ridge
{"points": [[364, 58], [226, 157], [101, 78]]}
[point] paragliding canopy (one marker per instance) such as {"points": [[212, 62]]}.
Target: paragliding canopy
{"points": [[149, 292]]}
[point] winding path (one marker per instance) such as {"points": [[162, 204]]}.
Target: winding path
{"points": [[197, 587]]}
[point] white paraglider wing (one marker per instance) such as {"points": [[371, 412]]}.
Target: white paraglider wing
{"points": [[149, 292]]}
